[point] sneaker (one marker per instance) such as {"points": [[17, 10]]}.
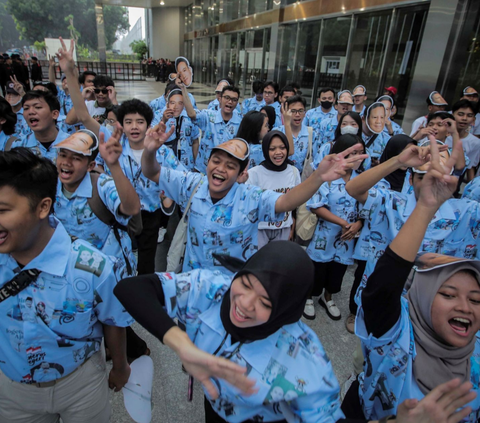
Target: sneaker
{"points": [[346, 385], [331, 308], [350, 323], [309, 310], [161, 235]]}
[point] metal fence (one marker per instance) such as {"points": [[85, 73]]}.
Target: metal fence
{"points": [[118, 71]]}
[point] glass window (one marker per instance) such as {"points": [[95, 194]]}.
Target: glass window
{"points": [[333, 52], [467, 55], [306, 56], [402, 57], [286, 63], [369, 46], [189, 18]]}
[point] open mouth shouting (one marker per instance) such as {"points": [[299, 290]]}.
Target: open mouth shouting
{"points": [[33, 122], [460, 326], [65, 173], [3, 236], [218, 179]]}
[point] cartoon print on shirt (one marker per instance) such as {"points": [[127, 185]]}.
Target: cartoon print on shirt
{"points": [[45, 372], [273, 370], [16, 338], [382, 393], [88, 262]]}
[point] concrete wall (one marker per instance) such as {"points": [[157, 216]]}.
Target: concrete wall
{"points": [[167, 32]]}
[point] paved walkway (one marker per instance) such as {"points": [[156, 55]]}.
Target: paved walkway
{"points": [[170, 383]]}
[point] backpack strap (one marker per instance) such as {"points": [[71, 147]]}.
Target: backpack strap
{"points": [[10, 141], [100, 210]]}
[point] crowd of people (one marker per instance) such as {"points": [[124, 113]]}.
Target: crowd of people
{"points": [[276, 202]]}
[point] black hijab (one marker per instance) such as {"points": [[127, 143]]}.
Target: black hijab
{"points": [[272, 117], [267, 140], [394, 147], [286, 272]]}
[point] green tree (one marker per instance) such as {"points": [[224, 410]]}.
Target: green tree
{"points": [[9, 36], [38, 19], [140, 48]]}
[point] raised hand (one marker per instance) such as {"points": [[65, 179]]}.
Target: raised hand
{"points": [[442, 405], [65, 57], [112, 94], [51, 61], [287, 114], [156, 137], [334, 166], [88, 93], [451, 125], [17, 86], [111, 150], [203, 366], [438, 184], [167, 114], [415, 156]]}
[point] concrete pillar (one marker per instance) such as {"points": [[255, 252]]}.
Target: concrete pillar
{"points": [[102, 48]]}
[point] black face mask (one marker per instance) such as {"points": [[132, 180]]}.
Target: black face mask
{"points": [[326, 104]]}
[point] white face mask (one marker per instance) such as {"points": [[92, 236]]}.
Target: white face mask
{"points": [[17, 103], [110, 128], [349, 130]]}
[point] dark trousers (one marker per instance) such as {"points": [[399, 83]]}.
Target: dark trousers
{"points": [[356, 283], [147, 240], [212, 417], [328, 276]]}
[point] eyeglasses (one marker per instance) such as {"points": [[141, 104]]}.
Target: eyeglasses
{"points": [[298, 112], [109, 121], [268, 93], [98, 91], [232, 99]]}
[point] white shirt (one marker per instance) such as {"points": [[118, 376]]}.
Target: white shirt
{"points": [[282, 182], [471, 147], [422, 120], [137, 155]]}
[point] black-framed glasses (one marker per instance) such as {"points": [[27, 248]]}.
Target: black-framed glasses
{"points": [[232, 99], [98, 91], [297, 112]]}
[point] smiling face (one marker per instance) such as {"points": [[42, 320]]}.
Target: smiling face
{"points": [[277, 151], [101, 95], [222, 173], [135, 128], [376, 120], [249, 302], [456, 310], [464, 117], [72, 167], [228, 102], [19, 223], [38, 115], [176, 103], [185, 73], [298, 113]]}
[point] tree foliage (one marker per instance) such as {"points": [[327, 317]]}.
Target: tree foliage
{"points": [[9, 36], [39, 19], [140, 48]]}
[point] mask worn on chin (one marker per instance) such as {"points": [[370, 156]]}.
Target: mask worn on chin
{"points": [[326, 104], [349, 130], [17, 103]]}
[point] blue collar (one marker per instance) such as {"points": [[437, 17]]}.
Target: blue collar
{"points": [[84, 190], [203, 193]]}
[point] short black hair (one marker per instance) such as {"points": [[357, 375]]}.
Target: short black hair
{"points": [[135, 106], [464, 104], [231, 88], [442, 115], [287, 88], [169, 87], [296, 99], [49, 98], [9, 115], [29, 175], [103, 81], [257, 87], [272, 84], [250, 126], [326, 90], [50, 86], [114, 109], [81, 77]]}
